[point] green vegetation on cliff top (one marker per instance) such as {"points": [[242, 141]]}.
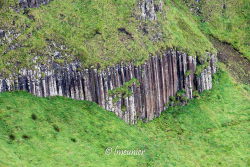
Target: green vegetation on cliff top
{"points": [[98, 32], [51, 132]]}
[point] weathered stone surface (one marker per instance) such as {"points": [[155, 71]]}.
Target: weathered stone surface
{"points": [[7, 37], [160, 77], [149, 8], [2, 33], [32, 3]]}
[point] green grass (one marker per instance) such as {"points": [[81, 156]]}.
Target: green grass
{"points": [[89, 30], [210, 131], [229, 24]]}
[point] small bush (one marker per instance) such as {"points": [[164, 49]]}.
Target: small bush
{"points": [[73, 140], [124, 108], [196, 94], [187, 73], [34, 117], [56, 128], [12, 137], [25, 137], [123, 91]]}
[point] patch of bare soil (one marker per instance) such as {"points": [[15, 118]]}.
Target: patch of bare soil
{"points": [[237, 65]]}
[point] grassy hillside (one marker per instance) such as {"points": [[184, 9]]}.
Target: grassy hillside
{"points": [[210, 131], [97, 32], [227, 20]]}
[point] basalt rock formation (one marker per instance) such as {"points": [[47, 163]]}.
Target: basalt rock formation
{"points": [[160, 77], [32, 3], [149, 8]]}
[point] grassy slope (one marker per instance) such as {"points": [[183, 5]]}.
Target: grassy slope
{"points": [[237, 65], [89, 29], [230, 24], [210, 131]]}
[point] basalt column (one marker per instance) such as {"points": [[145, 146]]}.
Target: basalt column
{"points": [[160, 77]]}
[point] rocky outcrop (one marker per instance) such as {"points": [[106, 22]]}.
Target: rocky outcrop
{"points": [[2, 33], [32, 3], [149, 8], [160, 78], [204, 80]]}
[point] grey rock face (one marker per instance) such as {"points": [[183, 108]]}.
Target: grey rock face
{"points": [[2, 33], [160, 77], [7, 37], [32, 3], [148, 9]]}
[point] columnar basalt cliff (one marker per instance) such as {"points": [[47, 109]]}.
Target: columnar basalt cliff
{"points": [[160, 77]]}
